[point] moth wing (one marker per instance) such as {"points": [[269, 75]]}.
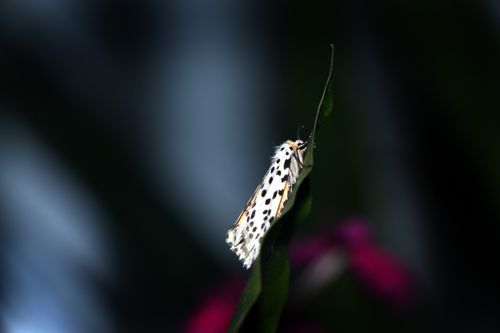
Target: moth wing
{"points": [[265, 205], [247, 208], [283, 199]]}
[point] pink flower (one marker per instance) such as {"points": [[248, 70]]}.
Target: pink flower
{"points": [[309, 248], [353, 232], [381, 273], [215, 312], [378, 270]]}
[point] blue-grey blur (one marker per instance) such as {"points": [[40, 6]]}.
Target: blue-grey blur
{"points": [[132, 133]]}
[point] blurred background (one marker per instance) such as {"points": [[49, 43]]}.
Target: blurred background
{"points": [[133, 133]]}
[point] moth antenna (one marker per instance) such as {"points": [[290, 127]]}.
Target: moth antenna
{"points": [[299, 127]]}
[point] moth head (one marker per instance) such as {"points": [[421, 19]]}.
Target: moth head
{"points": [[300, 147]]}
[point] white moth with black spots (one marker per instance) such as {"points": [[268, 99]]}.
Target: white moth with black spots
{"points": [[268, 201]]}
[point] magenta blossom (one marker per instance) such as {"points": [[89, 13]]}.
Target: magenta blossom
{"points": [[215, 312], [309, 248], [353, 232], [376, 269], [381, 273]]}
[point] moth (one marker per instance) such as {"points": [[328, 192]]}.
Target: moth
{"points": [[267, 202]]}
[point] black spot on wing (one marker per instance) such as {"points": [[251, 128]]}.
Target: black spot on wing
{"points": [[286, 164], [268, 201], [253, 214], [270, 180], [263, 193], [278, 172], [280, 192], [272, 169], [274, 194]]}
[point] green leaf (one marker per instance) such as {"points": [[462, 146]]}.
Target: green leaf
{"points": [[274, 263], [325, 105], [261, 303], [247, 299]]}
